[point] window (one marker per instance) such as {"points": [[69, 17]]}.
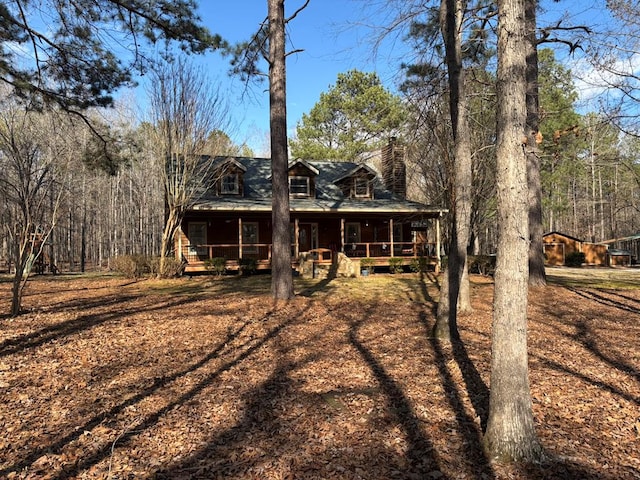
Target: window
{"points": [[352, 233], [230, 184], [250, 236], [197, 237], [397, 232], [299, 186], [361, 187]]}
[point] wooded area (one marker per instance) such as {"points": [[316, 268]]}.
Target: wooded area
{"points": [[495, 134], [113, 198]]}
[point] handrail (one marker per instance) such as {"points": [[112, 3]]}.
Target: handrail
{"points": [[262, 251]]}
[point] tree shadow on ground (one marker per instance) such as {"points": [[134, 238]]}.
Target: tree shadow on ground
{"points": [[587, 379], [261, 440], [597, 296], [84, 322], [283, 428], [57, 279], [477, 390], [587, 336], [159, 383], [251, 447], [423, 460]]}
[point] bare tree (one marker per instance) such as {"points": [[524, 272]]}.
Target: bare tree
{"points": [[510, 431], [185, 110], [33, 166]]}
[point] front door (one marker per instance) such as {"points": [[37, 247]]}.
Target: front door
{"points": [[307, 236]]}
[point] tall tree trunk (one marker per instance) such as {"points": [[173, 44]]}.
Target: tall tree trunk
{"points": [[18, 283], [167, 248], [281, 276], [83, 227], [451, 15], [537, 275], [52, 237], [510, 434]]}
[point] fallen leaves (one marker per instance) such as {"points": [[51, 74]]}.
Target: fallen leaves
{"points": [[190, 379]]}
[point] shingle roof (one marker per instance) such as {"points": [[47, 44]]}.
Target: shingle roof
{"points": [[329, 196]]}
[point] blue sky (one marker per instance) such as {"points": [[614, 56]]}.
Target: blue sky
{"points": [[335, 36], [333, 39]]}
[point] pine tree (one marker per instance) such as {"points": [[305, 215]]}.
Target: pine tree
{"points": [[89, 48], [356, 115]]}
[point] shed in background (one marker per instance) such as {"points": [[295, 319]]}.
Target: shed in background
{"points": [[624, 250], [557, 246]]}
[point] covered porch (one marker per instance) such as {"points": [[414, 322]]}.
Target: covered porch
{"points": [[246, 240]]}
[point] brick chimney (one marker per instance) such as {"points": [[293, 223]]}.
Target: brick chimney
{"points": [[394, 170]]}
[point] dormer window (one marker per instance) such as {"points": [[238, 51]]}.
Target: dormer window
{"points": [[357, 182], [230, 184], [299, 186], [302, 179], [229, 176], [361, 187]]}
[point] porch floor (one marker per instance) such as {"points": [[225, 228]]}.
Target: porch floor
{"points": [[198, 266]]}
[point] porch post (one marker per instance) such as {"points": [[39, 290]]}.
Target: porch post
{"points": [[239, 238], [438, 243], [296, 241], [391, 236], [179, 252], [342, 235]]}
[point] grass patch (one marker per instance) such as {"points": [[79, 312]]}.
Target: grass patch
{"points": [[599, 278]]}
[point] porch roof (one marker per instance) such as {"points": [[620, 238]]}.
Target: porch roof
{"points": [[309, 205]]}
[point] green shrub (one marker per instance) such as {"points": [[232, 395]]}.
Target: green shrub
{"points": [[367, 263], [131, 266], [396, 265], [247, 266], [419, 264], [574, 259], [216, 265]]}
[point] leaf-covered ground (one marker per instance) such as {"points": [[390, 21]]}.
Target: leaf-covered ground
{"points": [[204, 378]]}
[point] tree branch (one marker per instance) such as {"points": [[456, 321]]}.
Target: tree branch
{"points": [[295, 14]]}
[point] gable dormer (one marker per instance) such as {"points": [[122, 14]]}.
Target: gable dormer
{"points": [[358, 182], [302, 179], [229, 178]]}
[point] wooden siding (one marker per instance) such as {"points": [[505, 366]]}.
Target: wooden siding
{"points": [[595, 253], [558, 246]]}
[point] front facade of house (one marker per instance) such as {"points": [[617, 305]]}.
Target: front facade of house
{"points": [[338, 210], [557, 246]]}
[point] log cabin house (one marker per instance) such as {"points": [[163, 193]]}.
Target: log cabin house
{"points": [[340, 212]]}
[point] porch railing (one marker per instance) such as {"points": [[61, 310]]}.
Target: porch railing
{"points": [[386, 249], [200, 253], [262, 251]]}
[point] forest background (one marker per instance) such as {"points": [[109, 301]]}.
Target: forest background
{"points": [[111, 204]]}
